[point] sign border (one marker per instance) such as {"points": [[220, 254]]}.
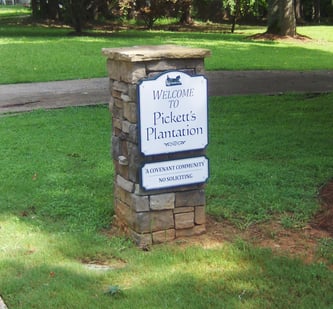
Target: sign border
{"points": [[173, 186], [155, 77]]}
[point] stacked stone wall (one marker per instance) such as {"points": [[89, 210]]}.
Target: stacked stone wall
{"points": [[157, 216]]}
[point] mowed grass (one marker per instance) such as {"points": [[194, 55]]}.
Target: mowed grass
{"points": [[35, 53], [58, 164], [268, 157], [8, 12]]}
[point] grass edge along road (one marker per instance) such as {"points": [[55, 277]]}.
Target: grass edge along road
{"points": [[56, 198]]}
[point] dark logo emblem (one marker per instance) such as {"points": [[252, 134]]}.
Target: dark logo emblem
{"points": [[173, 81]]}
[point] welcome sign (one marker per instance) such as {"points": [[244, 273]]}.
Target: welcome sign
{"points": [[173, 113]]}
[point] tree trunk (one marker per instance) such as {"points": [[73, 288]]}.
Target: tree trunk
{"points": [[43, 9], [298, 11], [281, 18], [316, 11], [34, 8], [185, 17], [53, 9], [236, 14]]}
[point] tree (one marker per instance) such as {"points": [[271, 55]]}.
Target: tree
{"points": [[151, 10], [76, 13], [185, 11], [281, 18]]}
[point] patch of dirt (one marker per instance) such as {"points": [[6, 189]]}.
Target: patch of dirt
{"points": [[104, 264], [274, 37], [324, 218], [299, 243]]}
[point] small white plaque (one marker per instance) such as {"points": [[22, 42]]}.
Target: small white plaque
{"points": [[174, 173], [173, 113]]}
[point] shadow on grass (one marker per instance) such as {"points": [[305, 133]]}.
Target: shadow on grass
{"points": [[58, 176], [54, 167], [221, 278]]}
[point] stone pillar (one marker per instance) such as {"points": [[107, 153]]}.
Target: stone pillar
{"points": [[161, 215]]}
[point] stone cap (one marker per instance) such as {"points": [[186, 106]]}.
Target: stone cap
{"points": [[154, 52]]}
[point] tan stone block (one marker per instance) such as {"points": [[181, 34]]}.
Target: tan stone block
{"points": [[122, 195], [195, 231], [179, 210], [162, 201], [138, 203], [200, 215], [117, 123], [118, 103], [164, 65], [184, 220], [126, 72], [132, 72], [199, 229], [126, 126], [116, 94], [112, 68], [124, 213], [164, 236], [154, 52], [130, 112]]}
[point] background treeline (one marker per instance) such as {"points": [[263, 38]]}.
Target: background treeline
{"points": [[80, 12]]}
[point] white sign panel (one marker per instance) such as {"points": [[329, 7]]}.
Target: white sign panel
{"points": [[173, 113], [174, 173]]}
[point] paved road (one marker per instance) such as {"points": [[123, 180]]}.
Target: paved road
{"points": [[26, 97]]}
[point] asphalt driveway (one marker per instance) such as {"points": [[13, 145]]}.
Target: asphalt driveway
{"points": [[30, 96]]}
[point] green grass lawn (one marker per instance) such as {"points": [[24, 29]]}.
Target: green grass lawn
{"points": [[259, 145], [9, 12], [39, 54], [268, 155]]}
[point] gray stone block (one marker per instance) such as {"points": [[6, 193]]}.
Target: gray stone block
{"points": [[190, 198], [125, 184], [162, 201]]}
